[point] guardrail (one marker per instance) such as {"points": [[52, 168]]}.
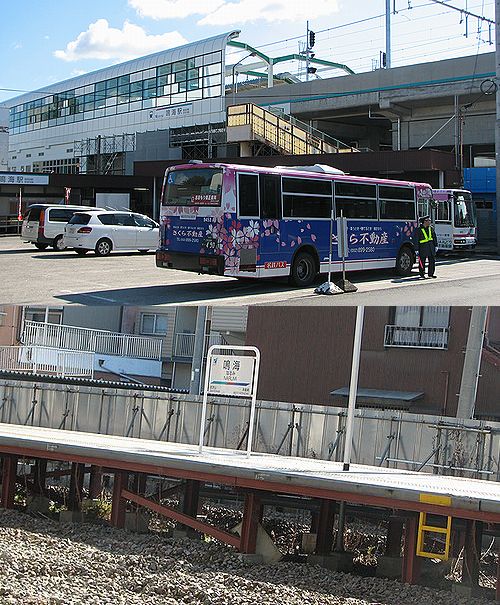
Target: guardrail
{"points": [[86, 339], [416, 336], [46, 360], [184, 343], [10, 225]]}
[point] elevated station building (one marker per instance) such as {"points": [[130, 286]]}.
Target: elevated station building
{"points": [[423, 122]]}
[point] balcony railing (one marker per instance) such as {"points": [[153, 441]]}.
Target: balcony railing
{"points": [[418, 336], [45, 360], [184, 343], [96, 341]]}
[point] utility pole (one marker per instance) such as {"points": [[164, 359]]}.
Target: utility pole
{"points": [[353, 387], [307, 51], [472, 363], [387, 34], [199, 351], [497, 121]]}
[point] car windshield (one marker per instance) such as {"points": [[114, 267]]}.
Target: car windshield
{"points": [[80, 219], [193, 187], [465, 215]]}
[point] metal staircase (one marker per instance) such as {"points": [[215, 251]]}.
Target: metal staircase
{"points": [[248, 123]]}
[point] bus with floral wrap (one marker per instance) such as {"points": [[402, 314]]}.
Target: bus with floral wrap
{"points": [[250, 221]]}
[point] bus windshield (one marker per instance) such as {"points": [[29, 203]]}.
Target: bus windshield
{"points": [[464, 210], [193, 187]]}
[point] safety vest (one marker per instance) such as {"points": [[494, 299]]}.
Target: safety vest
{"points": [[427, 236]]}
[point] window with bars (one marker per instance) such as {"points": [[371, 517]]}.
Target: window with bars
{"points": [[421, 327]]}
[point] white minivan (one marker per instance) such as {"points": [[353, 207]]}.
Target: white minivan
{"points": [[107, 230], [43, 224]]}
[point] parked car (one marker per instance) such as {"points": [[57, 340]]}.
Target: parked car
{"points": [[43, 224], [107, 230]]}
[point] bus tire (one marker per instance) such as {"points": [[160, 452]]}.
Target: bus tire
{"points": [[303, 271], [103, 247], [405, 261], [81, 251], [41, 246]]}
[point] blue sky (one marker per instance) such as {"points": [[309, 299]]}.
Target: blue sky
{"points": [[49, 41]]}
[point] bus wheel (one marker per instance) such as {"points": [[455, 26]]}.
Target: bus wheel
{"points": [[41, 246], [404, 261], [303, 270]]}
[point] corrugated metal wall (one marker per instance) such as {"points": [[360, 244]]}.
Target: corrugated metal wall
{"points": [[381, 437]]}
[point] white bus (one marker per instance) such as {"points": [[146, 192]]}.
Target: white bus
{"points": [[455, 219]]}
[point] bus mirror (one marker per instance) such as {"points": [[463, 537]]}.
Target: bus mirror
{"points": [[434, 204]]}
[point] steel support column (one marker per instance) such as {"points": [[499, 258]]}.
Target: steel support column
{"points": [[95, 482], [411, 563], [139, 486], [497, 591], [252, 516], [119, 503], [9, 473], [472, 553], [40, 476], [76, 486], [324, 527], [191, 498], [394, 535]]}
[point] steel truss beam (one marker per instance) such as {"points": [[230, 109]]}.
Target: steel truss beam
{"points": [[176, 515]]}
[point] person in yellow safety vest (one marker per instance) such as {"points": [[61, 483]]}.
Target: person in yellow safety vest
{"points": [[426, 244]]}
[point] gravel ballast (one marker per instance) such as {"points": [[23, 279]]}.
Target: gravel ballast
{"points": [[46, 563]]}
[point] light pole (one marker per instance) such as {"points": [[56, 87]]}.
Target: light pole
{"points": [[353, 388], [234, 70]]}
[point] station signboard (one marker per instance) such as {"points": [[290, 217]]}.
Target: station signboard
{"points": [[231, 375]]}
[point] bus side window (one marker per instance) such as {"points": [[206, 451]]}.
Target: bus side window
{"points": [[270, 196], [248, 194], [443, 212]]}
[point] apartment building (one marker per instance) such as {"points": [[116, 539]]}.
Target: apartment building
{"points": [[164, 346], [306, 357]]}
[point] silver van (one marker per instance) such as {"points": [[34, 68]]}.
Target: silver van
{"points": [[43, 224]]}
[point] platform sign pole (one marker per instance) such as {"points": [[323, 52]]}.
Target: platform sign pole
{"points": [[228, 374], [353, 387], [253, 405]]}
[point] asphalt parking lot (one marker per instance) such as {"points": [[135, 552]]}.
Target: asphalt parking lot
{"points": [[29, 276]]}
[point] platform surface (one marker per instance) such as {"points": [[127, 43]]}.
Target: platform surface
{"points": [[301, 473]]}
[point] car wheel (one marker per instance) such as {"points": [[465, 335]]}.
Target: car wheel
{"points": [[303, 270], [80, 251], [103, 247], [58, 244], [41, 246], [404, 261]]}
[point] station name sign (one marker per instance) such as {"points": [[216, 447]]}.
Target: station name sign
{"points": [[231, 375], [15, 178]]}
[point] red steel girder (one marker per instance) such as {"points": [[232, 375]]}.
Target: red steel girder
{"points": [[324, 529], [260, 484], [118, 505], [176, 515], [9, 474], [95, 482], [76, 486], [252, 516], [411, 563]]}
